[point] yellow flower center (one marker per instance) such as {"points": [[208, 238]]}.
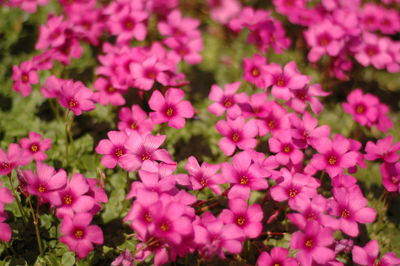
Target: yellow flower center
{"points": [[34, 147], [118, 152], [345, 213], [332, 160], [169, 112], [240, 220], [244, 180], [41, 189], [68, 200], [235, 137], [78, 234]]}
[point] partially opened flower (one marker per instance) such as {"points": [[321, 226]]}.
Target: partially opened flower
{"points": [[383, 149], [79, 235], [368, 255], [277, 256], [170, 108]]}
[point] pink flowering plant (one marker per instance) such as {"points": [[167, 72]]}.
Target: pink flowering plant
{"points": [[218, 132]]}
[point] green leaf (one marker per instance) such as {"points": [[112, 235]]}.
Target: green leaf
{"points": [[68, 259]]}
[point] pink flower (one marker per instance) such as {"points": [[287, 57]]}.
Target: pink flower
{"points": [[324, 38], [274, 121], [308, 94], [5, 229], [384, 123], [53, 33], [368, 255], [147, 72], [179, 27], [112, 148], [225, 100], [78, 235], [106, 93], [255, 106], [223, 10], [35, 146], [76, 97], [284, 81], [296, 188], [23, 77], [286, 151], [124, 259], [13, 158], [350, 206], [373, 51], [363, 107], [140, 148], [391, 176], [312, 244], [72, 198], [383, 149], [244, 175], [236, 134], [171, 108], [278, 256], [134, 119], [128, 24], [5, 197], [204, 176], [306, 131], [186, 50], [248, 218], [254, 70], [333, 156], [46, 182]]}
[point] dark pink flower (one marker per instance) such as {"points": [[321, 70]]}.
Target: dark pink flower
{"points": [[274, 121], [391, 176], [248, 218], [35, 146], [383, 149], [285, 149], [124, 259], [296, 188], [237, 134], [373, 51], [112, 148], [78, 235], [134, 119], [76, 97], [46, 182], [308, 94], [72, 198], [148, 71], [225, 100], [204, 176], [334, 155], [350, 206], [5, 197], [5, 229], [255, 106], [284, 81], [171, 108], [13, 158], [52, 34], [277, 256], [368, 255], [139, 148], [312, 244], [254, 70], [363, 107], [23, 77]]}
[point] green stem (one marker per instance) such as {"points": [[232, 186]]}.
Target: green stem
{"points": [[35, 217], [68, 120], [16, 196]]}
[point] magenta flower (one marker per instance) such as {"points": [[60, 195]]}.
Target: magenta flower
{"points": [[76, 97], [140, 148], [134, 119], [147, 72], [383, 149], [204, 176], [373, 51], [186, 50], [5, 229], [363, 107], [296, 188], [5, 197], [368, 255], [112, 148], [78, 235], [13, 158], [278, 256], [52, 34], [306, 132], [124, 259], [46, 182], [285, 149], [35, 146], [106, 93], [248, 218], [254, 70], [243, 175], [275, 120], [72, 198], [284, 81], [179, 27], [223, 10], [169, 222], [255, 106], [324, 38], [237, 134], [23, 77], [350, 206], [312, 244], [225, 100], [391, 176], [308, 94], [334, 155], [128, 24], [171, 108]]}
